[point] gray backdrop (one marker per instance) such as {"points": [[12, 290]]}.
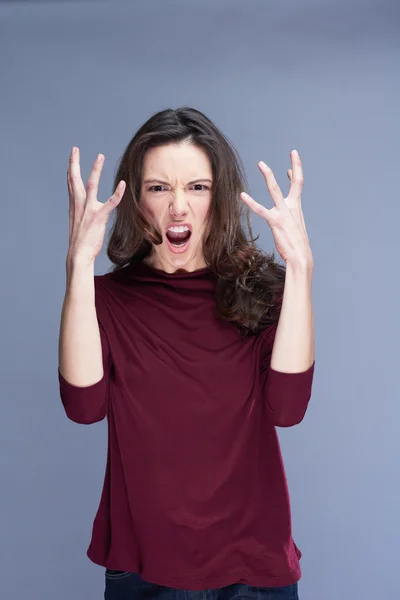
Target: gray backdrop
{"points": [[322, 77]]}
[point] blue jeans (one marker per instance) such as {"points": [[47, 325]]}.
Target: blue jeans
{"points": [[121, 585]]}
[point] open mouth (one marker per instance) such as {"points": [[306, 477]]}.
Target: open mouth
{"points": [[178, 237]]}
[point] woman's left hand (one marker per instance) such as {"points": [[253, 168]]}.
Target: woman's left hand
{"points": [[286, 218]]}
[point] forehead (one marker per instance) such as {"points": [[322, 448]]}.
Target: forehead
{"points": [[183, 160]]}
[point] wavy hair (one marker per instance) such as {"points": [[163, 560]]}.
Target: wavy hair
{"points": [[250, 282]]}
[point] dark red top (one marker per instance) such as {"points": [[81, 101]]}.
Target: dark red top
{"points": [[195, 493]]}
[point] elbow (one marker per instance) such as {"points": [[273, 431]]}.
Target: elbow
{"points": [[84, 405], [289, 419], [286, 413], [287, 396], [85, 417]]}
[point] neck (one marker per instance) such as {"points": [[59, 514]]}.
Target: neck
{"points": [[158, 262]]}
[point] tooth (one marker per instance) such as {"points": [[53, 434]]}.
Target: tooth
{"points": [[179, 229]]}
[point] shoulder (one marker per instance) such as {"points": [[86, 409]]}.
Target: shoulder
{"points": [[267, 338], [110, 280], [104, 291]]}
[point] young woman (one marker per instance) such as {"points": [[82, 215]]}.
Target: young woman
{"points": [[195, 346]]}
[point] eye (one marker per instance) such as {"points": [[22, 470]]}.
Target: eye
{"points": [[153, 188], [200, 187]]}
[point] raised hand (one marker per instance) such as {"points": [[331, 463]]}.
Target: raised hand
{"points": [[87, 216], [286, 218]]}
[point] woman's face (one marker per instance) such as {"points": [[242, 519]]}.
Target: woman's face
{"points": [[176, 197]]}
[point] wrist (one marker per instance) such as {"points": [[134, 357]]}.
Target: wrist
{"points": [[79, 261], [77, 267], [301, 271]]}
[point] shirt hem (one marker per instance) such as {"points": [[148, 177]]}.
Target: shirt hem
{"points": [[209, 582]]}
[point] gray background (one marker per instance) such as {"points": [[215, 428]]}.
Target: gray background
{"points": [[322, 77]]}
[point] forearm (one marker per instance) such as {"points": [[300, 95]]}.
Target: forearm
{"points": [[80, 351], [293, 349]]}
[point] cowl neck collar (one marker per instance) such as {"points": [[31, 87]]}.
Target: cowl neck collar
{"points": [[201, 279]]}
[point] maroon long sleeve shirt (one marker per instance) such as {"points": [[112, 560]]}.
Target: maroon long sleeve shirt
{"points": [[195, 494]]}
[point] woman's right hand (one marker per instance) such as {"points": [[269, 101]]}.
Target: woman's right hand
{"points": [[87, 216]]}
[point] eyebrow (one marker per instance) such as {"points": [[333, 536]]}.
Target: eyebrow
{"points": [[166, 182]]}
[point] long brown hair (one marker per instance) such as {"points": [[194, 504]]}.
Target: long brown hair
{"points": [[250, 282]]}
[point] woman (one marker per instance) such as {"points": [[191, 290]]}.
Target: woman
{"points": [[196, 346]]}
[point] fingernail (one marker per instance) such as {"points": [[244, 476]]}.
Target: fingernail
{"points": [[99, 157]]}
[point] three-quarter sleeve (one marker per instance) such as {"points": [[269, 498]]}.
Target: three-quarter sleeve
{"points": [[89, 404], [286, 395]]}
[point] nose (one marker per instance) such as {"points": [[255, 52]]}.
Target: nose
{"points": [[179, 206]]}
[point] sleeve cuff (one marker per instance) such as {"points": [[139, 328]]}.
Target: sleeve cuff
{"points": [[84, 404], [288, 394], [298, 375]]}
